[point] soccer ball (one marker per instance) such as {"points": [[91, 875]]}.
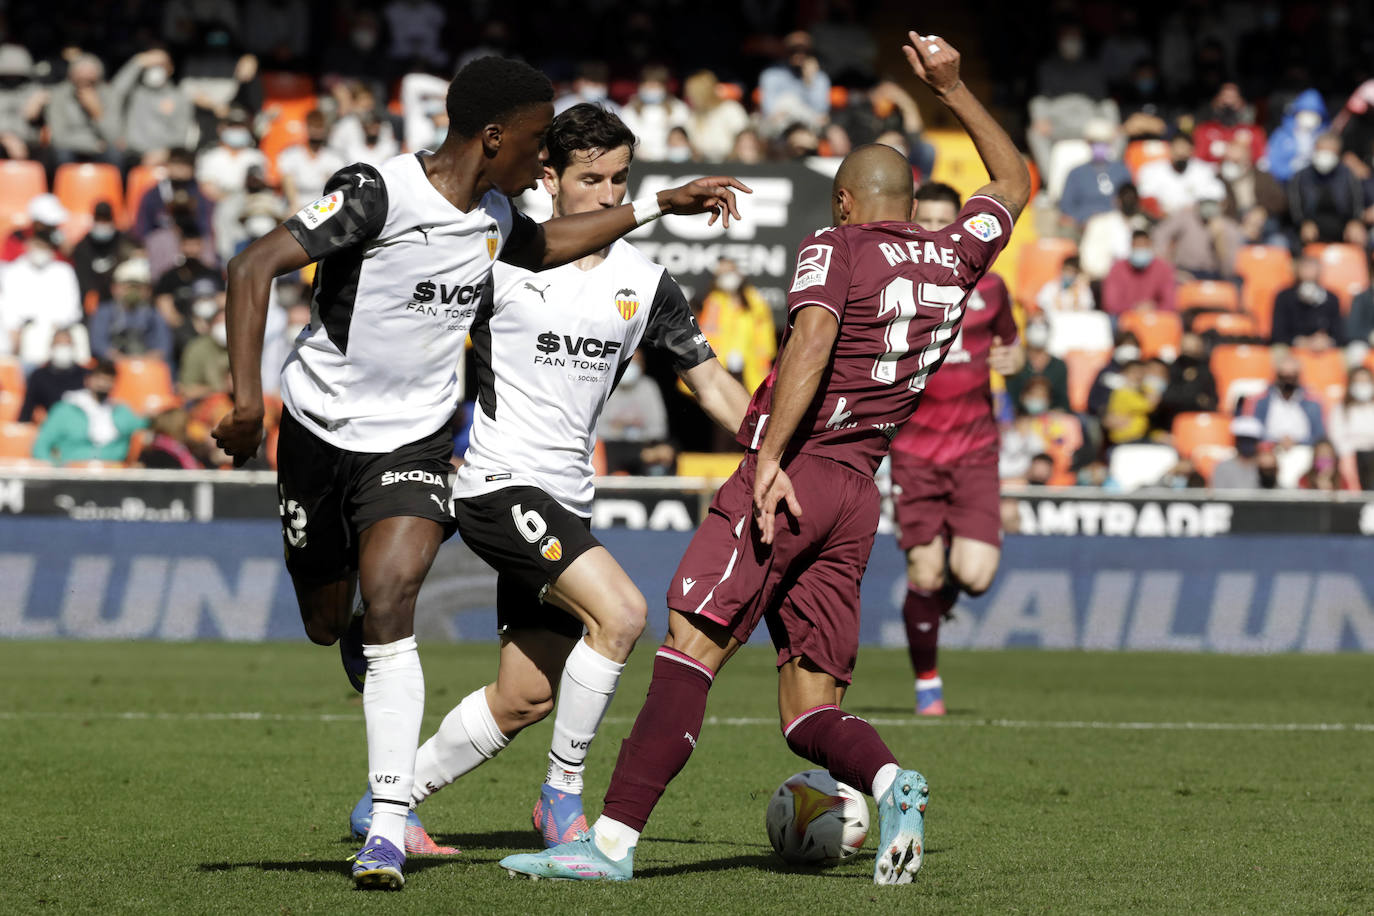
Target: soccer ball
{"points": [[813, 819]]}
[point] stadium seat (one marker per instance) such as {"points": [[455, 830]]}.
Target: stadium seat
{"points": [[1079, 331], [141, 180], [21, 180], [1141, 152], [1083, 366], [80, 186], [1065, 156], [1208, 294], [12, 387], [16, 439], [1194, 430], [269, 448], [713, 465], [1240, 371], [1206, 457], [144, 384], [1225, 324], [1040, 263], [731, 92], [1345, 270], [286, 129], [278, 86], [15, 463], [1158, 333], [1322, 374], [1264, 270], [1141, 465]]}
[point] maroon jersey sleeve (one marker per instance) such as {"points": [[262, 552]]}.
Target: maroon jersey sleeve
{"points": [[822, 276], [979, 233]]}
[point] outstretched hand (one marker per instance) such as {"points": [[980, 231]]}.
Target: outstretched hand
{"points": [[771, 486], [712, 195], [934, 61]]}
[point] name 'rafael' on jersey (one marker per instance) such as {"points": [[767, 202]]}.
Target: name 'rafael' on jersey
{"points": [[899, 293]]}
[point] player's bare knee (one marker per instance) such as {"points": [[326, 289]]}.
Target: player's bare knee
{"points": [[620, 624], [320, 632], [924, 577]]}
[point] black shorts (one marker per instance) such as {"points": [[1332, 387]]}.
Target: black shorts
{"points": [[529, 538], [328, 496]]}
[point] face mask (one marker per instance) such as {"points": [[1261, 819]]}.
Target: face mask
{"points": [[440, 134], [1228, 117], [1141, 258], [63, 356], [204, 309], [237, 137], [1180, 165], [1362, 392], [1126, 352], [1035, 406], [132, 298], [594, 93], [1287, 386], [219, 334], [155, 77], [679, 153], [1247, 447], [1307, 120], [729, 282], [1325, 161], [101, 394], [1208, 209], [1154, 384], [1071, 48], [632, 374], [1101, 151], [41, 257], [1038, 336], [653, 96], [1311, 293], [102, 232], [1268, 478], [1232, 171], [1323, 463]]}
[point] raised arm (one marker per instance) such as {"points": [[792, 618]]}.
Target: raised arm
{"points": [[936, 63]]}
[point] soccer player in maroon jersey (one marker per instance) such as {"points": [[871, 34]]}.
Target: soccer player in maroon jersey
{"points": [[944, 465], [875, 306]]}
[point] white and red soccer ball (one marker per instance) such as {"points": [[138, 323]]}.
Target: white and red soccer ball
{"points": [[813, 819]]}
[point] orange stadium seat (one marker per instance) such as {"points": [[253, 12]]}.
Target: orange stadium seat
{"points": [[141, 180], [16, 439], [1208, 294], [732, 92], [278, 86], [11, 389], [1322, 374], [144, 384], [1345, 270], [80, 186], [21, 180], [1040, 263], [1249, 365], [1264, 270], [1141, 152], [1226, 324], [1083, 366], [1158, 333], [1192, 430]]}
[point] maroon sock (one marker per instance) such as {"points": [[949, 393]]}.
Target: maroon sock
{"points": [[844, 744], [922, 612], [664, 734]]}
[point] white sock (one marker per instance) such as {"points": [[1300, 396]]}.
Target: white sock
{"points": [[586, 689], [393, 705], [467, 738], [883, 779], [925, 683], [614, 838]]}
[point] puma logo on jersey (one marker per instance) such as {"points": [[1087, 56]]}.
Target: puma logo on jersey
{"points": [[363, 180], [534, 289], [687, 584], [839, 419]]}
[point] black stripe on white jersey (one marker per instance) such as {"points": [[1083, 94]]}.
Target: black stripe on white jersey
{"points": [[481, 351]]}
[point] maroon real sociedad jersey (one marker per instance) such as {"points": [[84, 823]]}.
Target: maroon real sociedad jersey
{"points": [[899, 293], [955, 423]]}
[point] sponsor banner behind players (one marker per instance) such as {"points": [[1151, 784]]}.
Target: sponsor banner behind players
{"points": [[225, 581]]}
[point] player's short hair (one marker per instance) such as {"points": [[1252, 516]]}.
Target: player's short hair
{"points": [[938, 190], [1139, 234], [585, 127], [491, 88]]}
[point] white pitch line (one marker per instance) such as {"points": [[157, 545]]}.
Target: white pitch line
{"points": [[733, 721]]}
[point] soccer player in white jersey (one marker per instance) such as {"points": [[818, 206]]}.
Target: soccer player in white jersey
{"points": [[549, 348], [404, 253]]}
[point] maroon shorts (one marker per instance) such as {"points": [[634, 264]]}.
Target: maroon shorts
{"points": [[945, 501], [806, 584]]}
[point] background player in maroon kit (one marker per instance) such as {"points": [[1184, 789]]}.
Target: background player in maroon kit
{"points": [[944, 465], [875, 305]]}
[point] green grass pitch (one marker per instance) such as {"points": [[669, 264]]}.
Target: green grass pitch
{"points": [[132, 788]]}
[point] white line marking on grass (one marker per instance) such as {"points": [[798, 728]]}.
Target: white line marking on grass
{"points": [[734, 721]]}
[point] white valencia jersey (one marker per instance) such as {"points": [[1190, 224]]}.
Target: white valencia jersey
{"points": [[399, 277], [549, 348]]}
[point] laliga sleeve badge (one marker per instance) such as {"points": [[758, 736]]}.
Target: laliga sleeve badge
{"points": [[984, 226]]}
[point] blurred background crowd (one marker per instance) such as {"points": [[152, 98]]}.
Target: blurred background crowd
{"points": [[1192, 277]]}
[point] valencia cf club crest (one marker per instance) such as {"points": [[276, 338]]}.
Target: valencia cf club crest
{"points": [[627, 303], [493, 239], [551, 549]]}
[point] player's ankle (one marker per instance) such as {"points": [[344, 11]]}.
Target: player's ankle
{"points": [[562, 778], [614, 839]]}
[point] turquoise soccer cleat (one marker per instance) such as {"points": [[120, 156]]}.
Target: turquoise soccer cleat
{"points": [[558, 816], [901, 829], [579, 860], [418, 841], [377, 866]]}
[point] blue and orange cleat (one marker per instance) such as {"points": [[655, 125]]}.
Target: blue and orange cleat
{"points": [[558, 816], [901, 829], [418, 841], [578, 860], [930, 697], [377, 866]]}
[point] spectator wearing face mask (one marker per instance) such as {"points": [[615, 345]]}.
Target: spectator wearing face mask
{"points": [[680, 148], [1091, 188], [1200, 241], [1107, 236], [1292, 143], [1140, 280], [1249, 189], [177, 196], [1326, 200], [1307, 314], [1289, 416], [1242, 470], [189, 280], [1041, 471], [49, 382], [1041, 364], [223, 169], [1069, 70], [1110, 377], [85, 426], [83, 119], [652, 112], [795, 88], [1127, 417], [1325, 474], [1229, 120], [130, 325], [1022, 439], [634, 425], [715, 121], [362, 133], [1191, 387], [38, 295], [95, 256], [205, 362], [46, 216], [1181, 180], [739, 325], [156, 114], [1071, 291], [590, 84], [306, 166], [247, 215], [1359, 324], [1351, 427]]}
